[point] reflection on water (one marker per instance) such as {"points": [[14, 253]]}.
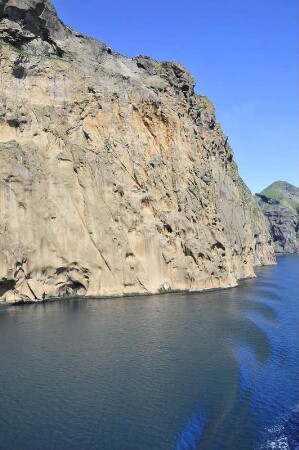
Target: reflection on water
{"points": [[210, 371]]}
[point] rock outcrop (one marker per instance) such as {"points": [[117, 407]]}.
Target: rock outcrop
{"points": [[280, 204], [114, 175]]}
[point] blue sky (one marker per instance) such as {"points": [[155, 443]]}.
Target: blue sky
{"points": [[243, 55]]}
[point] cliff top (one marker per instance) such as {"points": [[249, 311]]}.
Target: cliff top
{"points": [[34, 28]]}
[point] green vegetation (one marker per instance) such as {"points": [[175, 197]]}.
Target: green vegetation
{"points": [[164, 290], [133, 294], [108, 145], [274, 190], [282, 192], [13, 48], [31, 55], [196, 209]]}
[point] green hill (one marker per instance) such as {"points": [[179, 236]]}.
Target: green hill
{"points": [[285, 193], [280, 204]]}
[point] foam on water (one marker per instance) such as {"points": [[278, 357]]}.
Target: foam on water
{"points": [[284, 435]]}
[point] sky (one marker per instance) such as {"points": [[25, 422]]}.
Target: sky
{"points": [[242, 53]]}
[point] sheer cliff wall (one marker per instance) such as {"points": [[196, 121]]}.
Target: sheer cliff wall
{"points": [[114, 175]]}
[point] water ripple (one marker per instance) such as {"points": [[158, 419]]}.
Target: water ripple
{"points": [[208, 371]]}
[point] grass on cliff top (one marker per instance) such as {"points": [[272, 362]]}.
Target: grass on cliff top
{"points": [[53, 58], [277, 191]]}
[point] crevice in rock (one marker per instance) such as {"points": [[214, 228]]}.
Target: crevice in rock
{"points": [[168, 228], [19, 72], [218, 245], [6, 285], [32, 292], [72, 287], [188, 252]]}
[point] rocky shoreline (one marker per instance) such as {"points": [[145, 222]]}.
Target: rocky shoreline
{"points": [[127, 295]]}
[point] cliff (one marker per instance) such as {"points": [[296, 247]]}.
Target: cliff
{"points": [[280, 204], [115, 176]]}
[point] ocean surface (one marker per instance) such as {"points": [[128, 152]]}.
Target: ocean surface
{"points": [[211, 371]]}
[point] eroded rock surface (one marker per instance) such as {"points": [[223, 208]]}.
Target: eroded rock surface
{"points": [[115, 176], [280, 204]]}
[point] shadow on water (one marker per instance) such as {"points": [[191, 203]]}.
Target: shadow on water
{"points": [[267, 295], [264, 361], [248, 331]]}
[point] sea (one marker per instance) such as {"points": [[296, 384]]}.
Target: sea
{"points": [[215, 370]]}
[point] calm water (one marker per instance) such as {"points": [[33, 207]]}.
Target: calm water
{"points": [[209, 371]]}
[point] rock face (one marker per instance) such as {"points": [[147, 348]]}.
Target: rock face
{"points": [[115, 176], [280, 204]]}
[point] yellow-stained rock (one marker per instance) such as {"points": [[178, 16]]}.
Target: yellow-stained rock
{"points": [[114, 175]]}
